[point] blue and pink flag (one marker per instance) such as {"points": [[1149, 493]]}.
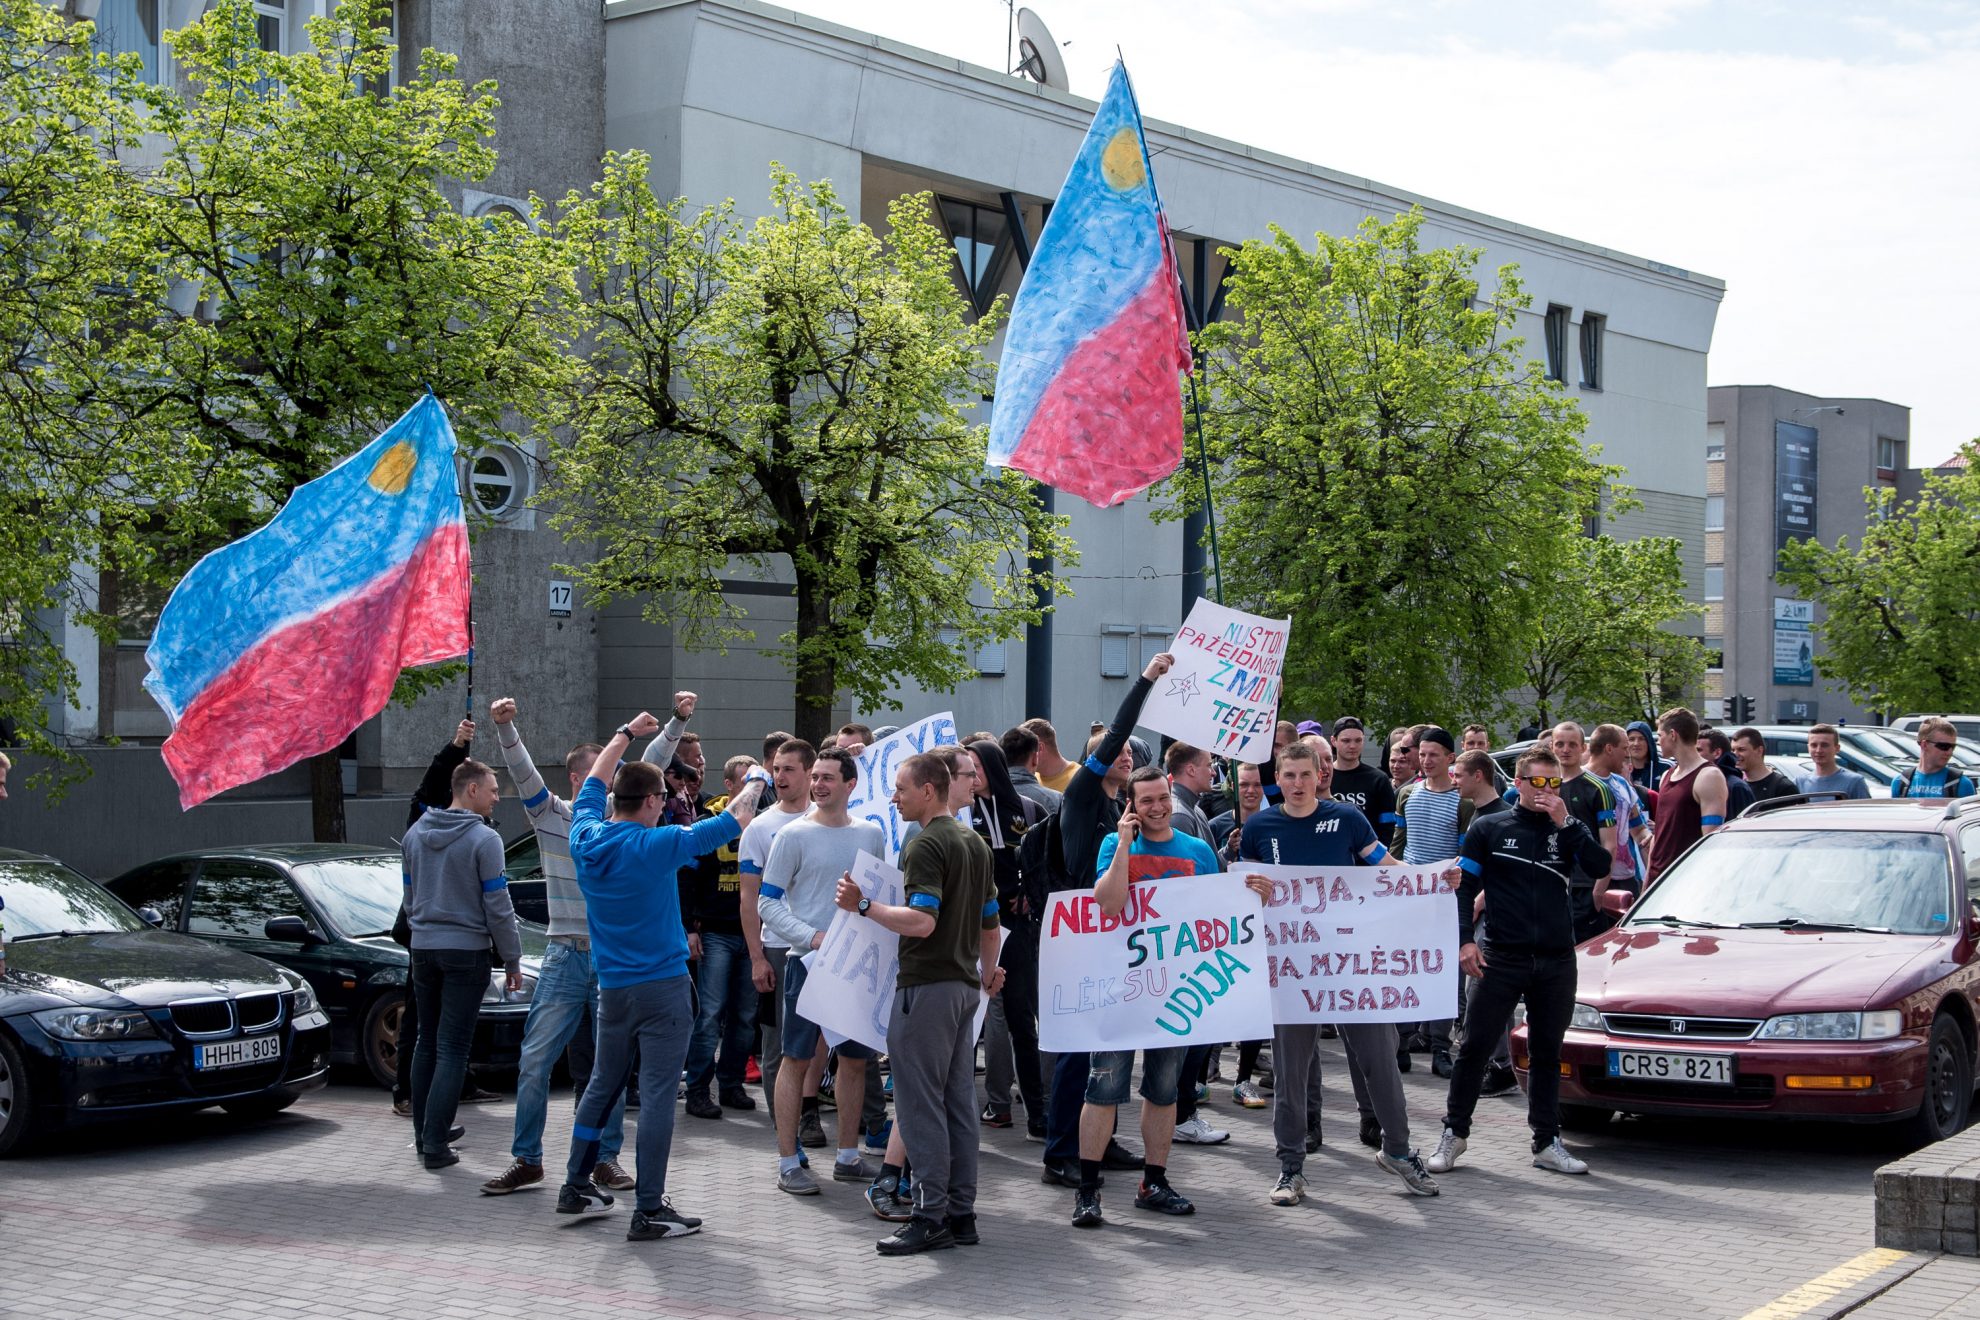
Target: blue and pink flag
{"points": [[1087, 394], [279, 645]]}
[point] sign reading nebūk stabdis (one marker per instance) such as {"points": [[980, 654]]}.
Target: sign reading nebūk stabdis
{"points": [[1223, 692]]}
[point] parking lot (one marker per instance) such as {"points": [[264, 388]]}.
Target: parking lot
{"points": [[323, 1211]]}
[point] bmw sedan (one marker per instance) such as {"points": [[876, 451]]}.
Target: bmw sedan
{"points": [[325, 912], [102, 1017], [1812, 961]]}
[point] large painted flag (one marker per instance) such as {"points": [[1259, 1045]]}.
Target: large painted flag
{"points": [[1087, 395], [277, 646]]}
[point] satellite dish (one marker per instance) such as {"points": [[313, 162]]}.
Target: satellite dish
{"points": [[1038, 55]]}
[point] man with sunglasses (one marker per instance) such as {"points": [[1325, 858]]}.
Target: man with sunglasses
{"points": [[1524, 859], [1934, 775]]}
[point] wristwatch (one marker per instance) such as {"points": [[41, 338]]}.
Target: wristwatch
{"points": [[864, 904], [625, 731]]}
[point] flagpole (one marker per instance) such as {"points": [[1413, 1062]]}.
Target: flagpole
{"points": [[463, 484], [1203, 470]]}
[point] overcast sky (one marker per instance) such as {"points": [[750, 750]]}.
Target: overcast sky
{"points": [[1822, 159]]}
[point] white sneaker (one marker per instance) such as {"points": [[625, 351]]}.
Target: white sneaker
{"points": [[1445, 1157], [1555, 1159], [1196, 1132], [1248, 1096], [1289, 1190], [1410, 1169]]}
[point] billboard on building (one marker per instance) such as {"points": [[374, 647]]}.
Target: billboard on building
{"points": [[1794, 644], [1794, 483]]}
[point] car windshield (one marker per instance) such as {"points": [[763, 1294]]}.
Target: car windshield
{"points": [[1835, 879], [358, 895], [47, 898], [1884, 746]]}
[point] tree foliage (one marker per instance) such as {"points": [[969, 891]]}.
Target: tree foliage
{"points": [[1900, 622], [1387, 470], [792, 395], [1602, 643]]}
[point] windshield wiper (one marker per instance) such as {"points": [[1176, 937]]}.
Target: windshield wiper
{"points": [[1801, 923], [56, 935], [1669, 920]]}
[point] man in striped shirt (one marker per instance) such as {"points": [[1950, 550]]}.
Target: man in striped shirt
{"points": [[568, 984]]}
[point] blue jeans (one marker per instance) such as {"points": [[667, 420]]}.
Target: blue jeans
{"points": [[728, 1014], [566, 987], [654, 1019], [1161, 1071], [448, 985]]}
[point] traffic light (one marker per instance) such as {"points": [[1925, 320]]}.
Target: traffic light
{"points": [[1729, 708], [1745, 715]]}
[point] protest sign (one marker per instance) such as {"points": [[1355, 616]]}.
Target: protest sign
{"points": [[1360, 943], [1223, 693], [873, 797], [1182, 964], [849, 979]]}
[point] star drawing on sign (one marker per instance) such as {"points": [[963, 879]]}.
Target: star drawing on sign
{"points": [[1184, 688]]}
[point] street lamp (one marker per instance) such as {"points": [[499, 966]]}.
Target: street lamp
{"points": [[1835, 408]]}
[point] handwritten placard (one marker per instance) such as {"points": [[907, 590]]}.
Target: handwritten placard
{"points": [[873, 797], [1223, 693], [1360, 943]]}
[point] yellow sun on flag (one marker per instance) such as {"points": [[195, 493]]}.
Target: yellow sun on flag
{"points": [[393, 469], [1121, 164]]}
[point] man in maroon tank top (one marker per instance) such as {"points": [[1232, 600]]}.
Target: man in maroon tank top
{"points": [[1691, 799]]}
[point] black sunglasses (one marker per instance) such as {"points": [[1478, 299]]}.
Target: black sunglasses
{"points": [[1942, 746]]}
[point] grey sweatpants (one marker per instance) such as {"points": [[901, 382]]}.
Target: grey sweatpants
{"points": [[933, 1053], [1371, 1053]]}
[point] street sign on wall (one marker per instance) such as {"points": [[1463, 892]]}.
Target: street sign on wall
{"points": [[1794, 644], [1794, 483]]}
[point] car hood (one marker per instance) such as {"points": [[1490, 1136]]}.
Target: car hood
{"points": [[1750, 973], [145, 968]]}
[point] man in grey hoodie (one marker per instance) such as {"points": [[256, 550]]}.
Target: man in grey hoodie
{"points": [[457, 903]]}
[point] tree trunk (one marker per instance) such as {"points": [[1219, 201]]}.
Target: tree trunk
{"points": [[326, 796], [817, 679]]}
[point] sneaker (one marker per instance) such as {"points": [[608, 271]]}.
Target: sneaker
{"points": [[575, 1199], [963, 1229], [1289, 1190], [1248, 1096], [701, 1105], [1313, 1141], [1410, 1169], [752, 1074], [1553, 1157], [1086, 1210], [1202, 1093], [1445, 1157], [1440, 1061], [996, 1118], [1371, 1132], [875, 1143], [798, 1181], [887, 1203], [1065, 1173], [917, 1235], [479, 1095], [403, 1108], [517, 1176], [609, 1175], [449, 1157], [665, 1222], [1196, 1132], [1117, 1156], [1265, 1076], [1403, 1063], [858, 1171], [1328, 1031], [1034, 1129], [810, 1131], [1499, 1079], [1162, 1199]]}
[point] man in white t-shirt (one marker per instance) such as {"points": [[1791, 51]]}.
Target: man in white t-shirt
{"points": [[790, 777]]}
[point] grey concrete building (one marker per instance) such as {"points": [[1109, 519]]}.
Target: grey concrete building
{"points": [[1778, 464], [715, 90]]}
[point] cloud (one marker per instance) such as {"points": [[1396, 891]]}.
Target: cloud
{"points": [[1617, 19]]}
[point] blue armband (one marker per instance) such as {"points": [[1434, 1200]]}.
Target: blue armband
{"points": [[1389, 818], [1379, 856], [532, 803], [1096, 765], [1711, 822], [990, 908], [1470, 866], [768, 890], [499, 882], [926, 902]]}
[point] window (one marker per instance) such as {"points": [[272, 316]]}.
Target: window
{"points": [[161, 888], [1591, 350], [499, 481], [1715, 655], [271, 23], [1154, 641], [1715, 442], [1715, 582], [993, 657], [1115, 641], [1889, 455], [1715, 513], [236, 899], [1557, 328], [1969, 847], [129, 27], [982, 239]]}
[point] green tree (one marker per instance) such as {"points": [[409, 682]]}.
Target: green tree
{"points": [[1900, 625], [794, 396], [1387, 471], [75, 288], [324, 273], [1605, 624]]}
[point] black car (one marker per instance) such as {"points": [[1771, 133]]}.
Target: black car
{"points": [[325, 911], [102, 1017], [522, 863]]}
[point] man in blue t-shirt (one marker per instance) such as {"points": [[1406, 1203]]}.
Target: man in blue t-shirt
{"points": [[1307, 829], [1144, 846], [1934, 776]]}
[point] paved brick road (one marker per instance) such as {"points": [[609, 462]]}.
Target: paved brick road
{"points": [[324, 1212]]}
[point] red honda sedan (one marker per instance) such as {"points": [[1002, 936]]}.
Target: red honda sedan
{"points": [[1815, 961]]}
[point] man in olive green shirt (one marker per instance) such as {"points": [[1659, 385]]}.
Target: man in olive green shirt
{"points": [[949, 940]]}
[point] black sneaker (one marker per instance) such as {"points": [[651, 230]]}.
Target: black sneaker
{"points": [[1034, 1131], [1499, 1079], [1086, 1210], [1064, 1173], [1371, 1132], [1162, 1199], [1118, 1156], [811, 1132], [1402, 1060], [963, 1229], [885, 1198], [444, 1160], [665, 1222], [587, 1198], [995, 1118], [915, 1236], [735, 1097], [1440, 1061], [1313, 1140], [699, 1105]]}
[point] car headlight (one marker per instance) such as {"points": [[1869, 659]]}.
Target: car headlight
{"points": [[303, 1000], [498, 991], [1588, 1018], [1833, 1026], [95, 1024]]}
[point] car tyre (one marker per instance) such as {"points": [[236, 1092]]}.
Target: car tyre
{"points": [[1948, 1085], [1585, 1118], [16, 1100], [378, 1040], [266, 1105]]}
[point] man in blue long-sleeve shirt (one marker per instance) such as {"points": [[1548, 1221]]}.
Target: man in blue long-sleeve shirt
{"points": [[626, 866]]}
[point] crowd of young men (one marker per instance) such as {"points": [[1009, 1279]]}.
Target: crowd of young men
{"points": [[680, 924]]}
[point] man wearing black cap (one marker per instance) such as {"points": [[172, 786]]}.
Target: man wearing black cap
{"points": [[1363, 787]]}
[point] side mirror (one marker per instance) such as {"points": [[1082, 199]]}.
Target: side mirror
{"points": [[151, 916], [1615, 902], [291, 930]]}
